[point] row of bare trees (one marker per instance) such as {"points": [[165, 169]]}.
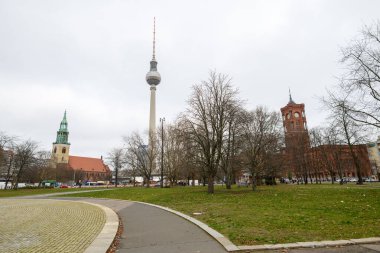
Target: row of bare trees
{"points": [[21, 161], [227, 139], [215, 140], [354, 103]]}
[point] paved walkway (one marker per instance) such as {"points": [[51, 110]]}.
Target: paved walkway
{"points": [[149, 229], [48, 225]]}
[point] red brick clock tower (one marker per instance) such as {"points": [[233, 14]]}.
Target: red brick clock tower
{"points": [[295, 125]]}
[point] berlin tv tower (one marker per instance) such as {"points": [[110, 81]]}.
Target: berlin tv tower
{"points": [[153, 78]]}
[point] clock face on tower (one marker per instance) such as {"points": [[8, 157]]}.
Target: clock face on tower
{"points": [[288, 116], [296, 115]]}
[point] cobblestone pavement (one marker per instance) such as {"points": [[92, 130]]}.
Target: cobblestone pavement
{"points": [[48, 225]]}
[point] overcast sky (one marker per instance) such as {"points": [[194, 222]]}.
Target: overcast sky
{"points": [[91, 57]]}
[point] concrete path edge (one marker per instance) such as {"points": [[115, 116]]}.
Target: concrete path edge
{"points": [[230, 247], [104, 240], [315, 244]]}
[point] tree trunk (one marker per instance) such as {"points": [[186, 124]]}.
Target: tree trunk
{"points": [[210, 184], [9, 174], [356, 163], [148, 183], [254, 183], [228, 183], [6, 183], [116, 177]]}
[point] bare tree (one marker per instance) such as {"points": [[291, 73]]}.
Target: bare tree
{"points": [[175, 154], [140, 156], [42, 168], [352, 132], [207, 120], [7, 144], [260, 134], [23, 158], [116, 159], [297, 148], [132, 169], [320, 152], [361, 82], [231, 143], [191, 167]]}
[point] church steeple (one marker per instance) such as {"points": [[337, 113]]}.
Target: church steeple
{"points": [[63, 132], [61, 146]]}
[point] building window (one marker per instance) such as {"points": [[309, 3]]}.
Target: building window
{"points": [[55, 150], [303, 114], [292, 125], [63, 150]]}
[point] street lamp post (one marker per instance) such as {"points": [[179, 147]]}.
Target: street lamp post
{"points": [[162, 152]]}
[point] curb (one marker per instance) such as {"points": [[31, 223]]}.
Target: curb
{"points": [[55, 194], [106, 237], [316, 244], [230, 247]]}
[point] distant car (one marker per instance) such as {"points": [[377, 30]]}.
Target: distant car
{"points": [[243, 183], [353, 179], [63, 186]]}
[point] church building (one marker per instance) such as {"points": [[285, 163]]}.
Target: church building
{"points": [[77, 167]]}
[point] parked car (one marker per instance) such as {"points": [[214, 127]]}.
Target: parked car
{"points": [[64, 186], [243, 183]]}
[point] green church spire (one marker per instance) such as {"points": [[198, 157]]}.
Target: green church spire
{"points": [[63, 132]]}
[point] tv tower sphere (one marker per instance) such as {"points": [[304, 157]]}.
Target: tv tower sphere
{"points": [[153, 77]]}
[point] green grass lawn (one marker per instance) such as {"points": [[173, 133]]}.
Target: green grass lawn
{"points": [[24, 192], [272, 214]]}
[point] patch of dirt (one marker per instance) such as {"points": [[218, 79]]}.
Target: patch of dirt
{"points": [[116, 241]]}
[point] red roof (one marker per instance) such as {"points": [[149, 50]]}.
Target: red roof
{"points": [[87, 164]]}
